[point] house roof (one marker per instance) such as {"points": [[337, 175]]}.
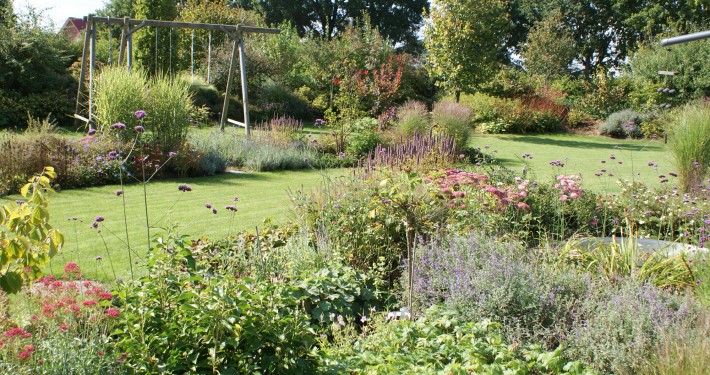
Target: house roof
{"points": [[77, 23]]}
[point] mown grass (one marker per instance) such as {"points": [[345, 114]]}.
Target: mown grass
{"points": [[261, 196], [582, 155]]}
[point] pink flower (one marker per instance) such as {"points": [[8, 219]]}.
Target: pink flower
{"points": [[563, 197], [112, 312], [105, 295], [89, 302], [523, 206]]}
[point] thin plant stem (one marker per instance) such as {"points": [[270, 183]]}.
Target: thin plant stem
{"points": [[145, 203], [108, 253]]}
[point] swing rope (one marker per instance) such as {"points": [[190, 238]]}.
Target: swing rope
{"points": [[209, 56], [192, 57], [110, 40], [155, 69], [171, 54]]}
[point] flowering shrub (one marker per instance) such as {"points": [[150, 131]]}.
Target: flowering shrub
{"points": [[61, 323]]}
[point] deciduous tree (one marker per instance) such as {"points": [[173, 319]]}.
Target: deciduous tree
{"points": [[464, 39]]}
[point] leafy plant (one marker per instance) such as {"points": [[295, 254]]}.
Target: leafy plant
{"points": [[27, 240], [626, 123], [117, 94], [440, 342]]}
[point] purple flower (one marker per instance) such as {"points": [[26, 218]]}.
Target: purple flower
{"points": [[320, 122], [236, 198], [386, 201], [172, 154], [95, 224], [696, 164], [118, 126], [92, 131], [527, 156], [652, 164], [139, 129], [612, 156], [99, 219], [603, 161], [214, 211], [99, 257], [208, 205], [112, 155], [139, 114], [341, 155], [231, 208], [673, 174], [118, 193], [184, 187]]}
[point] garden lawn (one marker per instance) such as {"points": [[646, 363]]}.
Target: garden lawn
{"points": [[582, 155], [261, 196]]}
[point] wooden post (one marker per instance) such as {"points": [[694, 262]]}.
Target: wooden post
{"points": [[124, 41], [92, 66], [84, 56], [225, 107], [130, 51], [245, 93]]}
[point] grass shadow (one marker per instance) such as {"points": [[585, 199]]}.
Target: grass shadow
{"points": [[572, 143]]}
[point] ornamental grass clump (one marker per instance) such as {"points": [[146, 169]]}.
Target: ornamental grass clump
{"points": [[413, 118], [117, 94], [416, 152], [690, 144], [454, 120]]}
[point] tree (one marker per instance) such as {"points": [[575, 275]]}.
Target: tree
{"points": [[397, 20], [464, 39], [117, 8], [550, 48], [6, 14], [156, 58]]}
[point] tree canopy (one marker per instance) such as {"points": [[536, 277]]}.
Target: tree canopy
{"points": [[397, 20], [464, 39]]}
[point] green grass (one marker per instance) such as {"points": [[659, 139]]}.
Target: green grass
{"points": [[582, 155], [261, 195]]}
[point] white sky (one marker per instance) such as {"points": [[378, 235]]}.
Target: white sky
{"points": [[59, 10]]}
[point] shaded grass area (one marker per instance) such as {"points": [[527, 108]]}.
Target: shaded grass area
{"points": [[582, 155], [261, 196]]}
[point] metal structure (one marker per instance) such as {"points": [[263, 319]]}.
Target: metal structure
{"points": [[685, 38], [130, 26]]}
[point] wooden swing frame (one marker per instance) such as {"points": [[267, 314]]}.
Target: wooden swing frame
{"points": [[130, 26]]}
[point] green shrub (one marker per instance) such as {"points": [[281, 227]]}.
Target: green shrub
{"points": [[453, 120], [340, 292], [438, 342], [364, 138], [623, 124], [690, 144], [413, 118], [485, 107], [183, 318], [277, 100]]}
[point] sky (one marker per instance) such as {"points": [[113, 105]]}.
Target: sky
{"points": [[59, 10]]}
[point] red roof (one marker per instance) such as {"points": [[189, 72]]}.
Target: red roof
{"points": [[73, 27]]}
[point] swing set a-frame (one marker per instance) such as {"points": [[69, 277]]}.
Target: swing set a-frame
{"points": [[130, 26]]}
